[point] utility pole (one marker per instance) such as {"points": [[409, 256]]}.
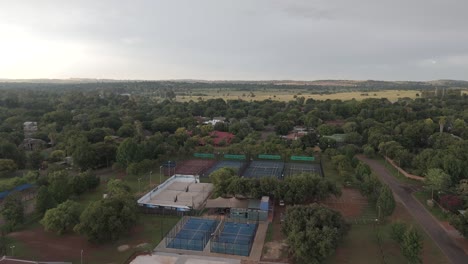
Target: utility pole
{"points": [[150, 178], [160, 174], [81, 257]]}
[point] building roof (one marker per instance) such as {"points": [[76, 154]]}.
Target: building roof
{"points": [[254, 204], [219, 136], [221, 202]]}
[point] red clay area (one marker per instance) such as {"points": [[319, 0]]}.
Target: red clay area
{"points": [[350, 204], [194, 166], [47, 246]]}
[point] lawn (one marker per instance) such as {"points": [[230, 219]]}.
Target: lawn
{"points": [[32, 242], [330, 171], [371, 243], [150, 229]]}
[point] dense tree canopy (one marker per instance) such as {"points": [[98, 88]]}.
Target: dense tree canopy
{"points": [[313, 232]]}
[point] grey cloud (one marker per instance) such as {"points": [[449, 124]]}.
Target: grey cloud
{"points": [[245, 39]]}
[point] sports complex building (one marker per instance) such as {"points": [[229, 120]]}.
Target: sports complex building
{"points": [[183, 191], [233, 232]]}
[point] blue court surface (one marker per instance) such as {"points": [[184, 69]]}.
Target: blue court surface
{"points": [[235, 239], [194, 235], [236, 165], [259, 169]]}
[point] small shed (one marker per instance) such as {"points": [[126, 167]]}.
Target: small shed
{"points": [[265, 203]]}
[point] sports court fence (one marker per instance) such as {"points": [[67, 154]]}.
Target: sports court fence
{"points": [[191, 233], [258, 169], [234, 237]]}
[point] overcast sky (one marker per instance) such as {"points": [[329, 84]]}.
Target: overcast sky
{"points": [[248, 40]]}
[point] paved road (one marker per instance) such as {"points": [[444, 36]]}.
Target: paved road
{"points": [[425, 219]]}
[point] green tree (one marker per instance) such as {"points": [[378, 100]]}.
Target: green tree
{"points": [[460, 222], [84, 156], [35, 159], [59, 186], [77, 184], [313, 232], [44, 200], [116, 187], [386, 202], [397, 231], [13, 209], [412, 245], [57, 155], [62, 218], [361, 170], [369, 151], [304, 187], [128, 152], [108, 219], [7, 165], [221, 179], [92, 181], [437, 180]]}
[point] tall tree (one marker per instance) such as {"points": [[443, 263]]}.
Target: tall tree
{"points": [[13, 209], [128, 152], [59, 186], [412, 245], [385, 202], [108, 219], [437, 180], [313, 232], [62, 218], [44, 200]]}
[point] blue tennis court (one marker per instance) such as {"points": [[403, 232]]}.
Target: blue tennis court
{"points": [[234, 238], [259, 169], [236, 165], [194, 234]]}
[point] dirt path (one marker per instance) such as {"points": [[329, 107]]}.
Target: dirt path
{"points": [[426, 220]]}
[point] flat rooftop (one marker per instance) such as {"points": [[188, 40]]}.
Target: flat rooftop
{"points": [[180, 191]]}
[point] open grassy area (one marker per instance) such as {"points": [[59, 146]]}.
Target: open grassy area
{"points": [[330, 171], [435, 210], [371, 242], [290, 94], [150, 229], [269, 233]]}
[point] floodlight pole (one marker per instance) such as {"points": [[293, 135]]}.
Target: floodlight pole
{"points": [[169, 164], [150, 178], [12, 250], [81, 257]]}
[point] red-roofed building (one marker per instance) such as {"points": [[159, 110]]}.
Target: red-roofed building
{"points": [[219, 137]]}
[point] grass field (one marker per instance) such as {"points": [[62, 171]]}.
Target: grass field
{"points": [[290, 94], [371, 242], [32, 242]]}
